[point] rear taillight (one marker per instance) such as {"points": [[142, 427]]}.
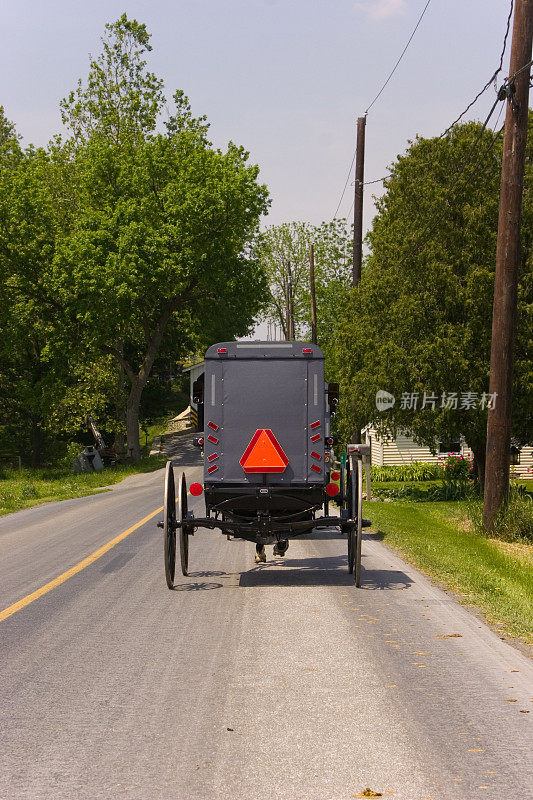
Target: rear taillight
{"points": [[196, 489], [332, 489]]}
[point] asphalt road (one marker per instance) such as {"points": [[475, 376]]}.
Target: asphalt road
{"points": [[246, 682]]}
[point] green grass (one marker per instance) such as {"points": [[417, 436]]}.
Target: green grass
{"points": [[433, 490], [437, 537], [32, 487]]}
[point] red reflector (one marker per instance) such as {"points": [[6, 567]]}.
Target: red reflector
{"points": [[335, 476], [212, 439], [316, 437], [329, 440], [315, 468], [306, 351], [264, 453], [212, 457], [222, 351], [315, 424], [201, 440], [213, 426], [332, 489], [316, 455], [212, 469], [196, 489]]}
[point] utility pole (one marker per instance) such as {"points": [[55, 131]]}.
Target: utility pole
{"points": [[507, 261], [291, 306], [358, 201], [313, 296], [358, 218], [287, 309]]}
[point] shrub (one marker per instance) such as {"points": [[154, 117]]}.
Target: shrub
{"points": [[455, 468], [415, 471]]}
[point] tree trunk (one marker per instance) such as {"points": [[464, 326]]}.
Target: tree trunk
{"points": [[132, 421], [120, 405], [138, 380]]}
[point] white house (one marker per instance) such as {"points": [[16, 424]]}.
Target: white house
{"points": [[404, 450]]}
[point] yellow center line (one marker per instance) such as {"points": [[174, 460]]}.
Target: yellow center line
{"points": [[7, 612]]}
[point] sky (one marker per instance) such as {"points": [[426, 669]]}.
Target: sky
{"points": [[286, 79]]}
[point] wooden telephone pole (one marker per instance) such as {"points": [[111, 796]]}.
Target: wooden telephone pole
{"points": [[290, 305], [313, 296], [507, 261], [358, 201], [358, 217]]}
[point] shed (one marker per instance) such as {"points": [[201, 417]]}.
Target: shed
{"points": [[196, 372]]}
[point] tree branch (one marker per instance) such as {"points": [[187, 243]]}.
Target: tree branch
{"points": [[119, 355], [171, 305]]}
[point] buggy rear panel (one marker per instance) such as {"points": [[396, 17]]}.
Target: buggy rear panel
{"points": [[272, 386]]}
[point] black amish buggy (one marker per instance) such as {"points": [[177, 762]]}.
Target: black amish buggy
{"points": [[267, 450]]}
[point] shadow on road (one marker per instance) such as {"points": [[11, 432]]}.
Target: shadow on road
{"points": [[196, 587], [384, 579], [329, 571], [182, 452], [207, 574]]}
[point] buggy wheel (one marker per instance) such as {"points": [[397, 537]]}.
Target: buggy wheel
{"points": [[351, 547], [185, 529], [359, 529], [350, 529], [169, 525]]}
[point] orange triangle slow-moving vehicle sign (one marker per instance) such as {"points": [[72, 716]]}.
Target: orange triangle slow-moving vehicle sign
{"points": [[264, 453]]}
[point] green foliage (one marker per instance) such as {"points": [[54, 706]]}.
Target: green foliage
{"points": [[425, 491], [456, 468], [121, 98], [514, 521], [420, 321], [415, 471], [286, 247], [120, 247], [32, 487]]}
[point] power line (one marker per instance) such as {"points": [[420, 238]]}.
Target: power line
{"points": [[468, 159], [453, 187], [345, 185], [375, 99], [490, 80], [497, 133], [506, 35], [401, 56]]}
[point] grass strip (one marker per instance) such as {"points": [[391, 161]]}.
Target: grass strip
{"points": [[26, 488], [435, 537]]}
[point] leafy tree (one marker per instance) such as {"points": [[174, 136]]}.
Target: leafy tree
{"points": [[47, 384], [420, 321], [157, 254], [284, 249]]}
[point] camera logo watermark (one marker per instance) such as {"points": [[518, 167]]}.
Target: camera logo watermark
{"points": [[452, 401]]}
